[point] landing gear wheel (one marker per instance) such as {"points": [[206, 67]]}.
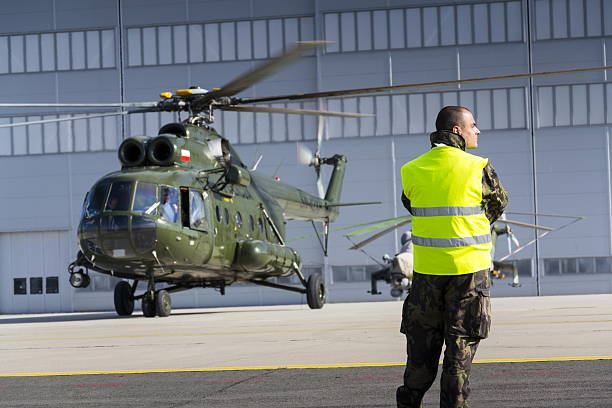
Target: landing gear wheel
{"points": [[163, 303], [124, 302], [315, 292], [148, 306]]}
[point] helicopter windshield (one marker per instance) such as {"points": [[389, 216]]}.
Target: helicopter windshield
{"points": [[95, 200], [145, 199], [119, 197]]}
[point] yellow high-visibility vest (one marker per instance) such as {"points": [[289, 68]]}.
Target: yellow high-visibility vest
{"points": [[450, 232]]}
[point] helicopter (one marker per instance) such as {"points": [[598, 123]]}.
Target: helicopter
{"points": [[186, 212], [397, 270]]}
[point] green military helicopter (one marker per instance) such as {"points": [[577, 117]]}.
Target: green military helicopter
{"points": [[185, 211]]}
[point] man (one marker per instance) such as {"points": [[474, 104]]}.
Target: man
{"points": [[453, 197], [168, 206]]}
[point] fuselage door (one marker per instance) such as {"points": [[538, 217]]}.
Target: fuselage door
{"points": [[199, 221]]}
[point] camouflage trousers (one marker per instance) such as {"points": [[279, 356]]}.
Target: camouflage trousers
{"points": [[453, 310]]}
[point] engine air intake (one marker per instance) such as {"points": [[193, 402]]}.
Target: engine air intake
{"points": [[161, 151], [132, 151]]}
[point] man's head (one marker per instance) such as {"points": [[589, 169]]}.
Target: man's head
{"points": [[459, 120]]}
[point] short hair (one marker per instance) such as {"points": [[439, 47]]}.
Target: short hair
{"points": [[450, 116]]}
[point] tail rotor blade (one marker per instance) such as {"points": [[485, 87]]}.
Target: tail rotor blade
{"points": [[515, 241], [304, 155]]}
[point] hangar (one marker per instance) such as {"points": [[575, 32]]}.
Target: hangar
{"points": [[548, 138]]}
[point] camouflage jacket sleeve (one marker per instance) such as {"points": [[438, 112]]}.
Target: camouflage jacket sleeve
{"points": [[494, 196]]}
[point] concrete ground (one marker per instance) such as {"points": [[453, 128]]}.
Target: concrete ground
{"points": [[343, 355]]}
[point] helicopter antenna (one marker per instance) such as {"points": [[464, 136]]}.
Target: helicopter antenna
{"points": [[278, 167], [254, 166]]}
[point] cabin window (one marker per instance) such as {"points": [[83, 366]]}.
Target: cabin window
{"points": [[251, 223], [94, 201], [218, 213], [119, 197], [238, 219], [169, 203], [197, 210], [226, 215], [145, 199], [261, 226]]}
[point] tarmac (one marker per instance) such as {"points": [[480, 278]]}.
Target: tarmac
{"points": [[543, 351]]}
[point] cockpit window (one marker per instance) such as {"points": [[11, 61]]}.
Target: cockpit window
{"points": [[95, 200], [169, 203], [145, 199], [119, 197]]}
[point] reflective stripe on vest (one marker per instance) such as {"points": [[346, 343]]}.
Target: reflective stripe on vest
{"points": [[442, 211], [451, 242]]}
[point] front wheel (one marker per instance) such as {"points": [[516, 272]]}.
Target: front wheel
{"points": [[148, 306], [124, 301], [315, 292]]}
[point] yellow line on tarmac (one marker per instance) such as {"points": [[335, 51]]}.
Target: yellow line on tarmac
{"points": [[290, 367]]}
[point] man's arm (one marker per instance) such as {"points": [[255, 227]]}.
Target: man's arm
{"points": [[406, 203], [494, 196]]}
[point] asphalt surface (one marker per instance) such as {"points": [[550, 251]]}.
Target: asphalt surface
{"points": [[542, 352], [533, 384]]}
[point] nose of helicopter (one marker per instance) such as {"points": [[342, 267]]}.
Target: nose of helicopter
{"points": [[118, 236]]}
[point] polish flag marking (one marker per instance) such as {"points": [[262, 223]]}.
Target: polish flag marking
{"points": [[185, 155]]}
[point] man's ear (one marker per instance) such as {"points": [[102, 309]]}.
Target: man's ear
{"points": [[456, 129]]}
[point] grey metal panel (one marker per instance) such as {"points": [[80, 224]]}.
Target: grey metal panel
{"points": [[424, 65], [265, 8], [501, 59], [85, 86], [71, 14], [146, 12], [21, 16], [568, 54], [364, 70]]}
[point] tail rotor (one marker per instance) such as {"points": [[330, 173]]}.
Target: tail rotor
{"points": [[306, 157]]}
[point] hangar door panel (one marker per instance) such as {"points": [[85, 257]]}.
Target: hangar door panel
{"points": [[33, 271]]}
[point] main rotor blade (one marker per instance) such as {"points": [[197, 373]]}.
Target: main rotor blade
{"points": [[266, 69], [353, 204], [374, 237], [344, 228], [38, 122], [80, 105], [376, 225], [358, 91], [546, 215], [240, 108], [524, 224]]}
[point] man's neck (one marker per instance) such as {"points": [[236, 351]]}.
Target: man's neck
{"points": [[446, 138]]}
